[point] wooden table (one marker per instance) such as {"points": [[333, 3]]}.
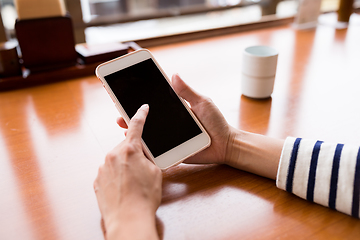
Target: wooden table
{"points": [[54, 137]]}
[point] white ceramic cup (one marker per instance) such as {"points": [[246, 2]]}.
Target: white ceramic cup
{"points": [[258, 71]]}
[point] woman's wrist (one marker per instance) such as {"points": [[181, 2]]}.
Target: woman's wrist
{"points": [[132, 220], [233, 147], [254, 153]]}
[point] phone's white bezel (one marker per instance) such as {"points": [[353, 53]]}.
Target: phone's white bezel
{"points": [[175, 155]]}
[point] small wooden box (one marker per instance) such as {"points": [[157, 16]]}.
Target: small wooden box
{"points": [[46, 43], [100, 52]]}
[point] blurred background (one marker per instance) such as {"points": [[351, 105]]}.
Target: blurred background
{"points": [[102, 21]]}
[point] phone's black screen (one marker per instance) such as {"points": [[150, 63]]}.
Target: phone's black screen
{"points": [[168, 123]]}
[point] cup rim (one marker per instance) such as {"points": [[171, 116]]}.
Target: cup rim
{"points": [[261, 51]]}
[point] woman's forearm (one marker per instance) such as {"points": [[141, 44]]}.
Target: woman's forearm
{"points": [[254, 153]]}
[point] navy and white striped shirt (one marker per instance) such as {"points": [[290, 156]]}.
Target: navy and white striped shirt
{"points": [[324, 173]]}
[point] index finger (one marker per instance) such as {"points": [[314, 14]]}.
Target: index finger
{"points": [[137, 122]]}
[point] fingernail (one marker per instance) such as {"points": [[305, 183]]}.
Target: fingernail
{"points": [[144, 106]]}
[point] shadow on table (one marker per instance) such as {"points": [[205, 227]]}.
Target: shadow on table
{"points": [[184, 181], [188, 179]]}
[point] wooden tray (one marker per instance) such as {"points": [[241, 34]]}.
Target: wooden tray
{"points": [[32, 79]]}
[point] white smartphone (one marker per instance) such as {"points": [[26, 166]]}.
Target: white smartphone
{"points": [[171, 133]]}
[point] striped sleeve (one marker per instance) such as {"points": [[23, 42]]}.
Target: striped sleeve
{"points": [[324, 173]]}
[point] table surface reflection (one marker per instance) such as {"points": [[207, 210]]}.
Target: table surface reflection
{"points": [[54, 137]]}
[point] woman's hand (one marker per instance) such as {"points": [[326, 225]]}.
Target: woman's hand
{"points": [[220, 132], [128, 187]]}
